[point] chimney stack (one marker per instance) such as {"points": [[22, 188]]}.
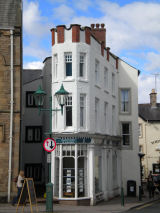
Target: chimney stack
{"points": [[99, 32], [153, 99]]}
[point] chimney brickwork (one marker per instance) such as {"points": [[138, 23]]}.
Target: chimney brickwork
{"points": [[153, 98], [99, 32]]}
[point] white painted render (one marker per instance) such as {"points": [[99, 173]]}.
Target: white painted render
{"points": [[126, 159]]}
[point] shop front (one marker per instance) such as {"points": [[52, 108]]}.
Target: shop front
{"points": [[77, 170]]}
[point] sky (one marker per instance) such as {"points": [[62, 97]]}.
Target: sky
{"points": [[132, 32]]}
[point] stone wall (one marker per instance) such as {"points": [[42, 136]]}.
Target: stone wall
{"points": [[5, 107]]}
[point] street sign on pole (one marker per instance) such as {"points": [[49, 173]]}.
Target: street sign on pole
{"points": [[49, 144]]}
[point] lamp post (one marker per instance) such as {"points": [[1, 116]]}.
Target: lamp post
{"points": [[61, 96], [141, 155]]}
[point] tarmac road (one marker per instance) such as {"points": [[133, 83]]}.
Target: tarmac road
{"points": [[153, 207]]}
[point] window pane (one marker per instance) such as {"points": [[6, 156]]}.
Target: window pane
{"points": [[81, 69], [125, 129], [68, 69], [29, 134], [68, 116], [37, 134], [125, 139]]}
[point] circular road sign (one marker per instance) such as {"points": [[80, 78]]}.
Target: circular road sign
{"points": [[49, 144]]}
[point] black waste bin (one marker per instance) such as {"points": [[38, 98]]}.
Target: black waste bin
{"points": [[131, 188]]}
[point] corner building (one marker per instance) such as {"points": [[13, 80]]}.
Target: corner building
{"points": [[97, 135]]}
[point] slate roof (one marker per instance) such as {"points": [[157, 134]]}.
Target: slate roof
{"points": [[10, 13], [31, 75], [148, 113]]}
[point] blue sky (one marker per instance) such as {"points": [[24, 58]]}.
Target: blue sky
{"points": [[133, 32]]}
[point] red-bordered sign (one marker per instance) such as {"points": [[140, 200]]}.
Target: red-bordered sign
{"points": [[49, 144]]}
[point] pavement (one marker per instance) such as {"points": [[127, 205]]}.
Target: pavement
{"points": [[112, 206]]}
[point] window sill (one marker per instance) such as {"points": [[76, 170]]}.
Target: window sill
{"points": [[97, 86], [83, 80], [125, 113], [69, 80], [106, 91], [69, 129]]}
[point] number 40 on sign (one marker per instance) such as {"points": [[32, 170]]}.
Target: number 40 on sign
{"points": [[49, 144]]}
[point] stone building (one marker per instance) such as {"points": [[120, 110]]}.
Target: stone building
{"points": [[97, 136], [149, 135], [10, 78]]}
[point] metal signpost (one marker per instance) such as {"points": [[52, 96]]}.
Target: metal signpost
{"points": [[49, 145]]}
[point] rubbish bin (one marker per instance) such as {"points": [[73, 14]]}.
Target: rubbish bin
{"points": [[131, 188]]}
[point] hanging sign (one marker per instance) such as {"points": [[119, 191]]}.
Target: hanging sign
{"points": [[49, 144]]}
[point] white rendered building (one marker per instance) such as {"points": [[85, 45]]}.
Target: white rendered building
{"points": [[97, 136]]}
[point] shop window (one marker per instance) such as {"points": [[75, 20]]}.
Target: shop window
{"points": [[68, 64], [33, 134], [30, 101], [33, 171], [69, 111], [98, 174], [156, 168], [68, 177], [126, 133], [56, 182]]}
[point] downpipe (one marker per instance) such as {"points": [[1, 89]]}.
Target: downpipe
{"points": [[11, 119]]}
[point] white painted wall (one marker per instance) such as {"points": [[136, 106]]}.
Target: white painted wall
{"points": [[125, 77]]}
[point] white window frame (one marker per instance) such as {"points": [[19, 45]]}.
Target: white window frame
{"points": [[106, 117], [96, 115], [140, 130], [113, 84], [83, 107], [130, 134], [55, 66], [113, 120], [68, 104], [82, 60], [124, 102], [68, 59], [106, 79], [97, 72]]}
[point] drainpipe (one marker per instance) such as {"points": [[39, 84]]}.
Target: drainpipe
{"points": [[11, 119]]}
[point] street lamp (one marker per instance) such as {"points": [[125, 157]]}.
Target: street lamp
{"points": [[141, 155], [39, 97]]}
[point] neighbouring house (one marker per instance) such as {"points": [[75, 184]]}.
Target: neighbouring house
{"points": [[97, 135], [149, 135], [34, 126], [10, 93]]}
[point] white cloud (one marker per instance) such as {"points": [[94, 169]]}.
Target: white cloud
{"points": [[83, 4], [153, 62], [146, 84], [33, 65], [134, 25], [36, 51], [63, 12], [33, 23]]}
